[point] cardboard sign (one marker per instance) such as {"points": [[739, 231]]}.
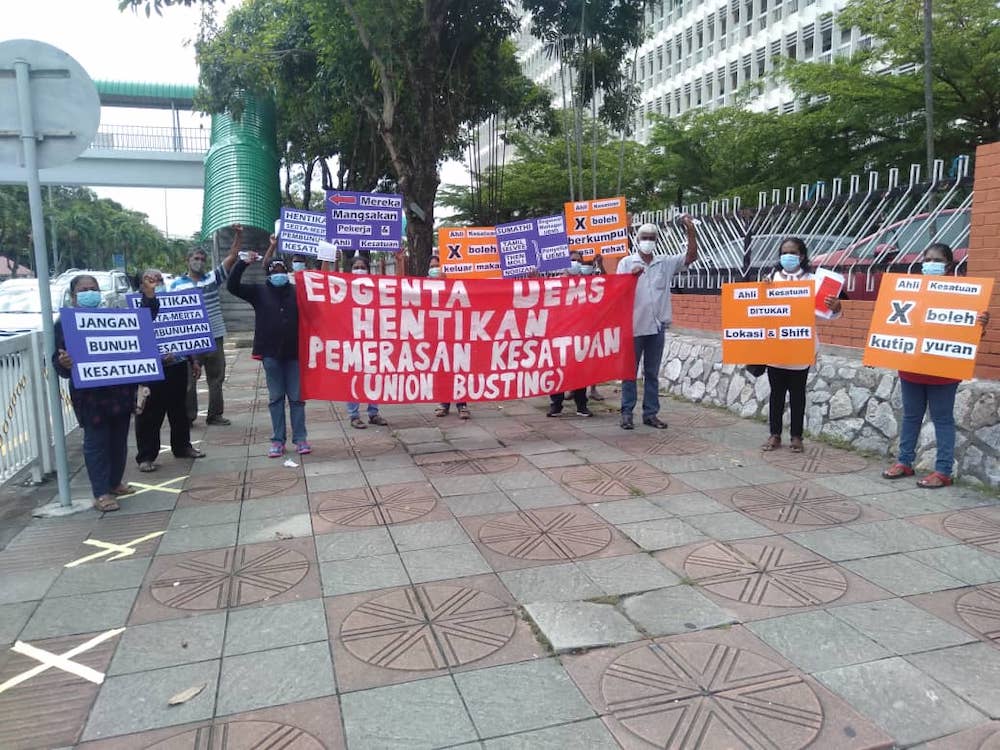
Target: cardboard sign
{"points": [[770, 324], [597, 228], [300, 232], [928, 324], [828, 284], [110, 347], [364, 221], [390, 340], [469, 252], [182, 325]]}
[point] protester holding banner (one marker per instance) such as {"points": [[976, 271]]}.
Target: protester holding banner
{"points": [[652, 315], [434, 268], [359, 266], [922, 393], [214, 363], [276, 342], [793, 265], [165, 397], [104, 412]]}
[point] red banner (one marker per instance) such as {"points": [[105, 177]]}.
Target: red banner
{"points": [[387, 339]]}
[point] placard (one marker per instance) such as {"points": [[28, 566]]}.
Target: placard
{"points": [[387, 339], [182, 325], [769, 323], [301, 232], [110, 347], [597, 227], [469, 252], [533, 245], [928, 324], [364, 221]]}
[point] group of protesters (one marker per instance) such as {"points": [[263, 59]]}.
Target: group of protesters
{"points": [[105, 412]]}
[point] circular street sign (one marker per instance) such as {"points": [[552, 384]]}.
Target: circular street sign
{"points": [[66, 107]]}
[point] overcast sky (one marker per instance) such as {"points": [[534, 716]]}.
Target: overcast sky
{"points": [[113, 45]]}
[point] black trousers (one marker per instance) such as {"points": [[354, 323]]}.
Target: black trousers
{"points": [[792, 382], [166, 398], [579, 396]]}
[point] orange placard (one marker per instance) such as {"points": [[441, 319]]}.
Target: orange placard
{"points": [[597, 227], [469, 252], [771, 324], [927, 324]]}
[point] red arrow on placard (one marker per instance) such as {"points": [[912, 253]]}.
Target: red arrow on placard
{"points": [[338, 199]]}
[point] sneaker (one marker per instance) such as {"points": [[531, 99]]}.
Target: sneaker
{"points": [[220, 421], [584, 412], [627, 422], [277, 450], [357, 423], [303, 448], [554, 411], [378, 419]]}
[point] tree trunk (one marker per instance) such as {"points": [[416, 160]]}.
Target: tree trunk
{"points": [[420, 186]]}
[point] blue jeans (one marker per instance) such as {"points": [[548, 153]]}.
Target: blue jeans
{"points": [[354, 410], [283, 382], [105, 451], [650, 350], [917, 398]]}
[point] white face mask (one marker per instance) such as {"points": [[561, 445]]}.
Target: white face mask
{"points": [[360, 271], [647, 246]]}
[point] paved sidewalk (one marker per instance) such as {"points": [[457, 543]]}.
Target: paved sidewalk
{"points": [[508, 582]]}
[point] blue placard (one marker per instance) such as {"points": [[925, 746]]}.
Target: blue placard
{"points": [[533, 244], [182, 325], [301, 232], [364, 221], [110, 347]]}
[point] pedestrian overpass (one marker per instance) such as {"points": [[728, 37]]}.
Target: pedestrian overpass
{"points": [[136, 155]]}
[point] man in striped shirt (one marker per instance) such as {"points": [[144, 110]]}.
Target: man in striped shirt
{"points": [[214, 363]]}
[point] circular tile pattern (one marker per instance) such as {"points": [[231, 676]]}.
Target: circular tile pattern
{"points": [[240, 735], [765, 575], [797, 504], [817, 459], [428, 627], [229, 578], [215, 488], [671, 444], [620, 479], [980, 527], [366, 447], [699, 419], [686, 694], [546, 534], [464, 464], [270, 482], [991, 743], [378, 506], [980, 610]]}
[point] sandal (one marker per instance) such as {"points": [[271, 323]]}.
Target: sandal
{"points": [[935, 481], [105, 503], [442, 411], [796, 443], [123, 489], [463, 412], [897, 471], [773, 443], [357, 423]]}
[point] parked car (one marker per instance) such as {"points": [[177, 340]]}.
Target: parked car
{"points": [[21, 308], [114, 285]]}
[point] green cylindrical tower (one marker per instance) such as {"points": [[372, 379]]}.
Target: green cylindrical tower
{"points": [[241, 170]]}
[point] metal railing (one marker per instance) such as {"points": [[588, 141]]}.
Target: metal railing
{"points": [[144, 138], [861, 228], [26, 436]]}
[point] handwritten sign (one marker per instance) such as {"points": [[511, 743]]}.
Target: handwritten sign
{"points": [[469, 252], [597, 227]]}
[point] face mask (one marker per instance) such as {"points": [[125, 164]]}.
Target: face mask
{"points": [[160, 288], [278, 279], [790, 261], [88, 298], [298, 265], [647, 246], [434, 272], [933, 268], [574, 267], [197, 266], [586, 270], [360, 271]]}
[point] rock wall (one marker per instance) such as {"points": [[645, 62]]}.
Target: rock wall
{"points": [[845, 401]]}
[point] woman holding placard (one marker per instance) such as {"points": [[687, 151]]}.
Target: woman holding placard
{"points": [[922, 393], [793, 265]]}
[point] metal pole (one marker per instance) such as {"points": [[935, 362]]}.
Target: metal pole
{"points": [[22, 72], [929, 86]]}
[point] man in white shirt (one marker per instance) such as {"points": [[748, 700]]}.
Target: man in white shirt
{"points": [[651, 316]]}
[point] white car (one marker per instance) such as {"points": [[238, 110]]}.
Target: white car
{"points": [[21, 308]]}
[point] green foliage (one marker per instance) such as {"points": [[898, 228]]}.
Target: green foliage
{"points": [[88, 232]]}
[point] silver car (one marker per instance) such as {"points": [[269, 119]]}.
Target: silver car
{"points": [[21, 308]]}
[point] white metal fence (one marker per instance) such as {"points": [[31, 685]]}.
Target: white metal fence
{"points": [[26, 437]]}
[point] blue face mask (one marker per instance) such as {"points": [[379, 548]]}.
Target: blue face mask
{"points": [[160, 288], [88, 298], [933, 268], [790, 261], [278, 279], [298, 265]]}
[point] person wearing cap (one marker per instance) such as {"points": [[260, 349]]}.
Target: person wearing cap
{"points": [[276, 342], [213, 363], [651, 316]]}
